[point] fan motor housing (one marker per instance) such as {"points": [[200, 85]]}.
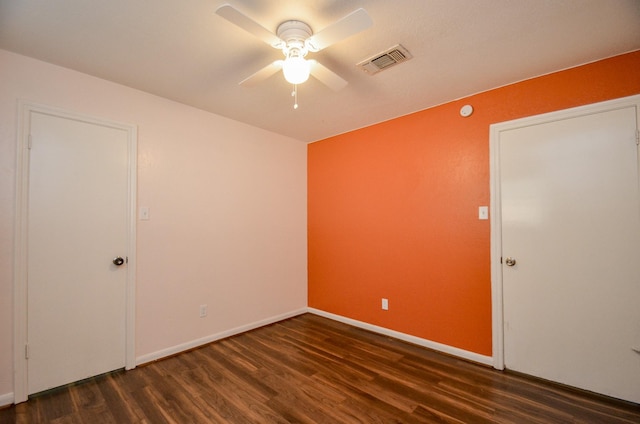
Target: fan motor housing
{"points": [[294, 31]]}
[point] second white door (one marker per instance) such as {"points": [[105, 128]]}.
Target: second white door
{"points": [[571, 222], [77, 225]]}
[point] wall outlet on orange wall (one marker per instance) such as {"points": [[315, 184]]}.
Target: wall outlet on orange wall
{"points": [[385, 304]]}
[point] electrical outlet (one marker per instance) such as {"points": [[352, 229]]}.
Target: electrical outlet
{"points": [[203, 311], [385, 304]]}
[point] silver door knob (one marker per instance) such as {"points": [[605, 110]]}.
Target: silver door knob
{"points": [[118, 261], [510, 261]]}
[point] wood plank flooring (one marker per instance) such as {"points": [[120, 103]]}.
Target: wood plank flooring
{"points": [[309, 369]]}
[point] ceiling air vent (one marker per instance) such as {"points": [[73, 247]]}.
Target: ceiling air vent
{"points": [[393, 56]]}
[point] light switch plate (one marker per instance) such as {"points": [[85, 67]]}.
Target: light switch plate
{"points": [[483, 212], [144, 213]]}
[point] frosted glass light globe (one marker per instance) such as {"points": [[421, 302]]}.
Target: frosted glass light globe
{"points": [[296, 70]]}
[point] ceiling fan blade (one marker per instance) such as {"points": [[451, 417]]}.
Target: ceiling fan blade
{"points": [[262, 74], [327, 76], [241, 20], [353, 23]]}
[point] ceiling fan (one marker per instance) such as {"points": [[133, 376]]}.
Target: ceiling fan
{"points": [[296, 39]]}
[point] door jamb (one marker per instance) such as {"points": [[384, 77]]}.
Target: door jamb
{"points": [[25, 109], [496, 247], [495, 201]]}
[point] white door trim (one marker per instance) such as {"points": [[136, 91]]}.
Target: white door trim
{"points": [[21, 225], [495, 202]]}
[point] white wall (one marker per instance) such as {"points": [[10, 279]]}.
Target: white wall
{"points": [[228, 211]]}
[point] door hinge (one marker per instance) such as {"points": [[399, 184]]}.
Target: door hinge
{"points": [[637, 137], [29, 142], [26, 351]]}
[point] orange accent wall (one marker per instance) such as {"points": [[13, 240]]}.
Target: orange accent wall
{"points": [[393, 208]]}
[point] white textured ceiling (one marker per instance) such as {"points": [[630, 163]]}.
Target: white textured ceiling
{"points": [[182, 50]]}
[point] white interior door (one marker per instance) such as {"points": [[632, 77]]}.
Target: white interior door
{"points": [[78, 216], [569, 193]]}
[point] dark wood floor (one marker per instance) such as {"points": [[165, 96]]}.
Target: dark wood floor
{"points": [[309, 369]]}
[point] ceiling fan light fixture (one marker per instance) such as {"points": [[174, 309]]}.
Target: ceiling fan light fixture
{"points": [[296, 69], [295, 39]]}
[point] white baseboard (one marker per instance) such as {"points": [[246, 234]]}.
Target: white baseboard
{"points": [[212, 338], [450, 350], [6, 399]]}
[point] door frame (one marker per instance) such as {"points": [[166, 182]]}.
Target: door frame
{"points": [[495, 201], [20, 308]]}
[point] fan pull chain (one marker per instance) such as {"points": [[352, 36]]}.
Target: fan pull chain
{"points": [[294, 93]]}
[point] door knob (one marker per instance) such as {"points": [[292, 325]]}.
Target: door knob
{"points": [[118, 261], [510, 261]]}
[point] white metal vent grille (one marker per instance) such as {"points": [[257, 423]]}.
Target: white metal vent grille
{"points": [[393, 56]]}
